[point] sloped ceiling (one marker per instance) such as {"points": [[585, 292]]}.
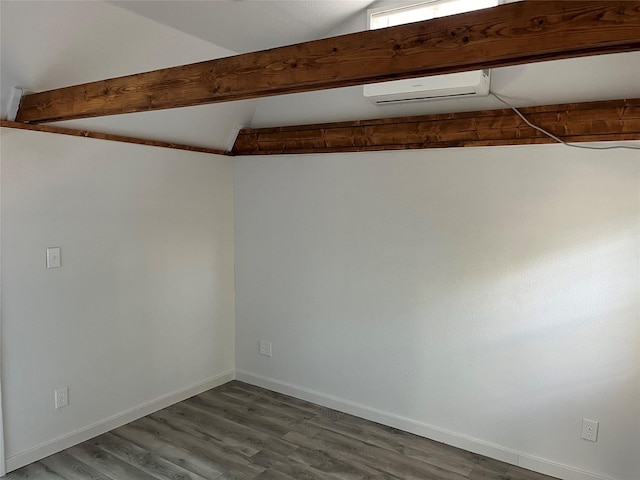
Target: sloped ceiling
{"points": [[604, 77], [74, 42], [273, 23], [251, 25], [51, 44]]}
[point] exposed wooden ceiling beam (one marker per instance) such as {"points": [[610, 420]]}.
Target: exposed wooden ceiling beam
{"points": [[108, 136], [574, 122], [510, 34]]}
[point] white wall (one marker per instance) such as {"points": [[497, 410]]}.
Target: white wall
{"points": [[143, 305], [488, 297]]}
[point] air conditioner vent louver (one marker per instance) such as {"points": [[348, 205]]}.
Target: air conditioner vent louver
{"points": [[464, 84]]}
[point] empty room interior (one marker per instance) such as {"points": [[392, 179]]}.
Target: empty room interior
{"points": [[320, 239]]}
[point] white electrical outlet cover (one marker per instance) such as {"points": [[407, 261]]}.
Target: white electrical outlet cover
{"points": [[61, 397], [589, 430], [53, 257], [265, 348]]}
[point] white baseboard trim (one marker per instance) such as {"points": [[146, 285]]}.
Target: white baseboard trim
{"points": [[41, 451], [554, 469], [470, 444]]}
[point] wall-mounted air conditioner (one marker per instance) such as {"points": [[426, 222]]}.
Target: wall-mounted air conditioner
{"points": [[453, 85]]}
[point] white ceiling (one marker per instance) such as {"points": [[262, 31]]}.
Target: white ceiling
{"points": [[75, 42], [605, 77], [83, 41], [250, 25]]}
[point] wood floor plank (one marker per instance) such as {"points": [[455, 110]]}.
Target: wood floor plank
{"points": [[71, 468], [269, 403], [177, 455], [227, 460], [326, 457], [274, 475], [413, 446], [489, 470], [259, 421], [291, 420], [517, 473], [105, 462], [389, 461], [232, 414], [143, 459], [201, 432], [35, 471], [286, 465], [481, 473], [243, 432], [298, 403], [232, 432]]}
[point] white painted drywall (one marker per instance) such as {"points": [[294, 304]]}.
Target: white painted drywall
{"points": [[143, 305], [489, 292]]}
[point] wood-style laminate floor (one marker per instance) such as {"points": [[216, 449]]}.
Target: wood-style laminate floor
{"points": [[238, 431]]}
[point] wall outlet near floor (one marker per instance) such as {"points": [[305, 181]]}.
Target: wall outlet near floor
{"points": [[62, 397], [53, 257], [265, 348], [589, 430]]}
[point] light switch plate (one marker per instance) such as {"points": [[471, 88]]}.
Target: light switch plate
{"points": [[53, 257]]}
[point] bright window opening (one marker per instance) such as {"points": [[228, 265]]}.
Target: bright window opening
{"points": [[425, 11]]}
